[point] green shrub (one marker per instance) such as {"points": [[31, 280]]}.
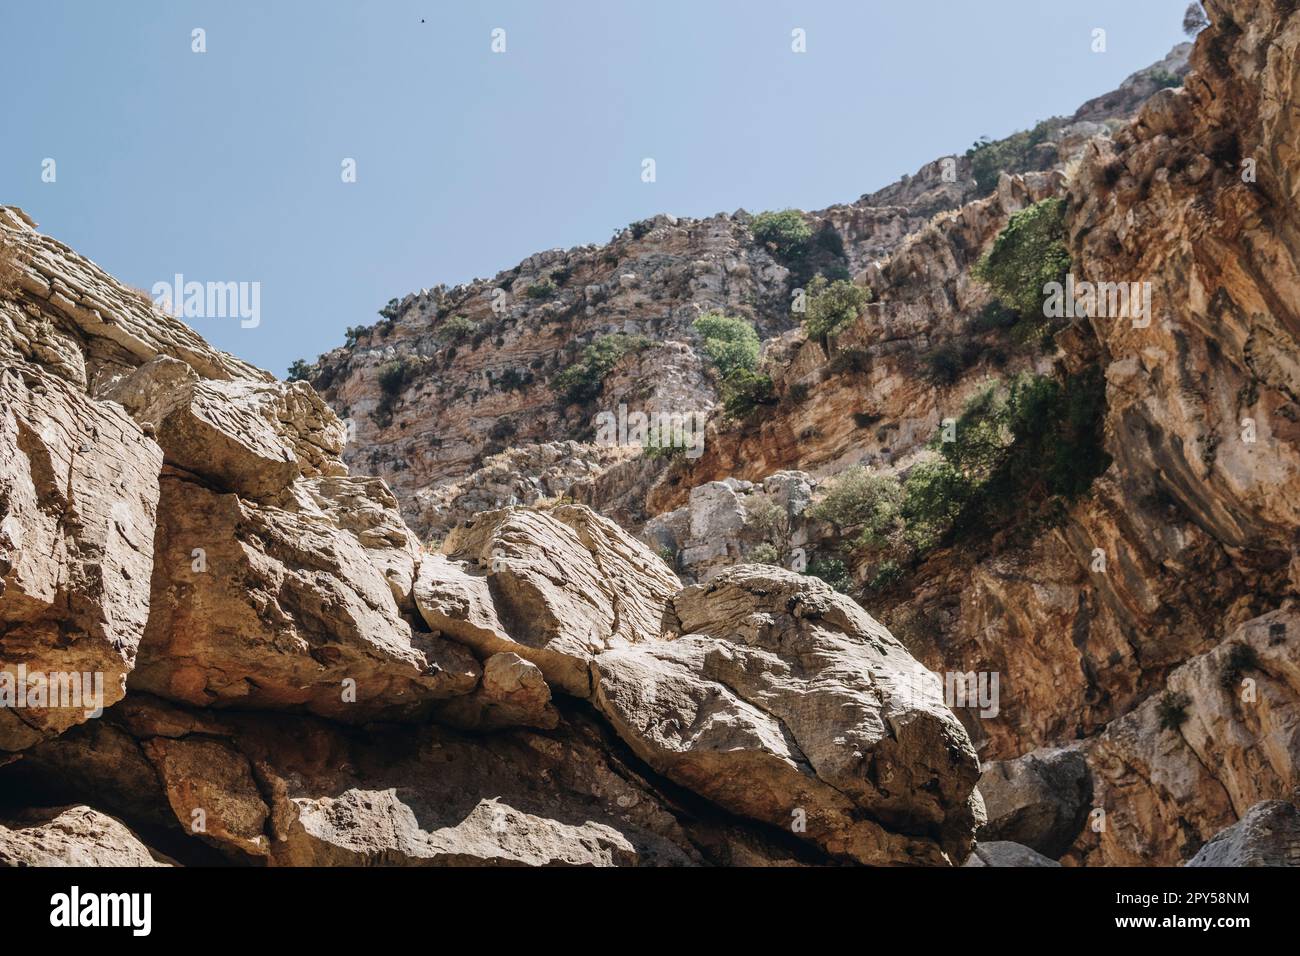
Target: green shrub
{"points": [[1172, 709], [786, 233], [731, 344], [887, 572], [744, 391], [1029, 253], [1035, 445], [833, 572], [1165, 80], [994, 317], [798, 393], [832, 305], [859, 500], [1015, 154], [945, 364], [541, 291], [389, 311], [581, 382], [354, 334], [392, 377], [299, 371], [765, 553], [455, 329]]}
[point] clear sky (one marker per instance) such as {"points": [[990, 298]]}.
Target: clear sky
{"points": [[226, 165]]}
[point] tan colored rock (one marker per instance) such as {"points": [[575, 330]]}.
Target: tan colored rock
{"points": [[78, 492], [1168, 791], [70, 836], [785, 702], [211, 789], [554, 587], [226, 432], [513, 693], [257, 607]]}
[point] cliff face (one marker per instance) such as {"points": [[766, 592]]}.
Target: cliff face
{"points": [[216, 633], [599, 663]]}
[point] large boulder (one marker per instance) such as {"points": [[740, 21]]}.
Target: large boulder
{"points": [[784, 702], [554, 587], [258, 607], [1040, 800]]}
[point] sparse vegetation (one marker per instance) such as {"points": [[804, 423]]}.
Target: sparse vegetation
{"points": [[1172, 709], [765, 553], [861, 502], [389, 311], [833, 572], [1029, 253], [581, 382], [354, 334], [456, 328], [746, 390], [832, 305], [541, 291], [1015, 154], [785, 233], [731, 344], [299, 371]]}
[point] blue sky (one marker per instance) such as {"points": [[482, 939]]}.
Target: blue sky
{"points": [[225, 165]]}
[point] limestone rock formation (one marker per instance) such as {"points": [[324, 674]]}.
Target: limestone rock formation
{"points": [[1005, 853], [70, 836], [783, 701], [554, 587], [1267, 835], [1040, 800]]}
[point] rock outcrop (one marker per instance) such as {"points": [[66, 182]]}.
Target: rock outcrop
{"points": [[1267, 835], [70, 836]]}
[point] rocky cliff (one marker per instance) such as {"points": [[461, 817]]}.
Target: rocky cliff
{"points": [[219, 645], [523, 645]]}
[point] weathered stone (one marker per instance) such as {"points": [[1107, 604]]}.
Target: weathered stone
{"points": [[554, 587], [1040, 800], [1004, 853], [785, 702], [257, 607], [1268, 835], [70, 836], [78, 492]]}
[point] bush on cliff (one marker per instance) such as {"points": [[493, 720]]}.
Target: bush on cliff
{"points": [[581, 382]]}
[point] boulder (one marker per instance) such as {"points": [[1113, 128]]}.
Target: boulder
{"points": [[554, 587], [257, 607], [1005, 853], [784, 702], [1040, 800], [78, 494], [69, 836]]}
